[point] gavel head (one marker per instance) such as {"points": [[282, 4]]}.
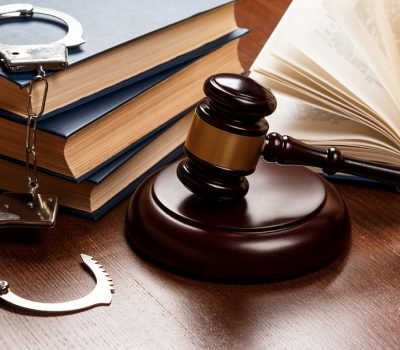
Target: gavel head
{"points": [[226, 137]]}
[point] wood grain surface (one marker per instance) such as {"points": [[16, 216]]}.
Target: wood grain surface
{"points": [[352, 304]]}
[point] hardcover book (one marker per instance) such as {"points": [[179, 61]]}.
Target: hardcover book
{"points": [[123, 40], [111, 184], [106, 127]]}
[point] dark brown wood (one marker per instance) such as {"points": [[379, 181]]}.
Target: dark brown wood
{"points": [[232, 97], [237, 105], [291, 222], [288, 150], [350, 304], [209, 181]]}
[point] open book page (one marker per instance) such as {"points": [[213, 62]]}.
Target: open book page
{"points": [[322, 41], [288, 88], [323, 129], [389, 24], [278, 54], [322, 92], [373, 27]]}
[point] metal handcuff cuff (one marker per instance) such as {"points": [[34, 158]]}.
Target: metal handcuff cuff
{"points": [[33, 209]]}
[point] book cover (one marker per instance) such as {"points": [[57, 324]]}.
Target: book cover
{"points": [[127, 191], [360, 181], [124, 39]]}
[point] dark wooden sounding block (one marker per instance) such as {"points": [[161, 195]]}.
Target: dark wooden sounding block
{"points": [[290, 222]]}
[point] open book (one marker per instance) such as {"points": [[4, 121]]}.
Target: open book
{"points": [[341, 61]]}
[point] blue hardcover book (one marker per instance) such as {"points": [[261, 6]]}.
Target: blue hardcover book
{"points": [[78, 141], [125, 41], [361, 181], [108, 186]]}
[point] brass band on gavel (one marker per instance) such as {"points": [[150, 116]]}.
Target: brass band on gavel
{"points": [[222, 148]]}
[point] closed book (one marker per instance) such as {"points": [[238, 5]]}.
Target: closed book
{"points": [[105, 127], [360, 181], [104, 189], [123, 39]]}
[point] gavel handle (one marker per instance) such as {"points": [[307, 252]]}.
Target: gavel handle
{"points": [[287, 150]]}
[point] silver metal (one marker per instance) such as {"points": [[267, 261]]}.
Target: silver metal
{"points": [[24, 58], [52, 56], [11, 9], [100, 295], [30, 209], [4, 286], [31, 124], [27, 210]]}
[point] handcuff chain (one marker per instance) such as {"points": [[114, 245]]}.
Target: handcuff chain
{"points": [[31, 132]]}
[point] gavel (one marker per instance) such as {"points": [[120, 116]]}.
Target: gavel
{"points": [[223, 214], [229, 134]]}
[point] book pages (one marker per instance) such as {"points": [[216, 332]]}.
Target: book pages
{"points": [[300, 79], [322, 41], [324, 129], [287, 88], [373, 27]]}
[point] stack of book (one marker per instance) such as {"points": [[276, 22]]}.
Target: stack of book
{"points": [[123, 106]]}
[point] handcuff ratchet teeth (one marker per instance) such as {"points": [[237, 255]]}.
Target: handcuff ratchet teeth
{"points": [[52, 56]]}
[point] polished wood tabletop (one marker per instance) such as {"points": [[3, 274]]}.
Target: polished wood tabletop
{"points": [[353, 303]]}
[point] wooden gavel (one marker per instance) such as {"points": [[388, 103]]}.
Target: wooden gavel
{"points": [[229, 134], [202, 216]]}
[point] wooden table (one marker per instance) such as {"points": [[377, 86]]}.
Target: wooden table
{"points": [[353, 303]]}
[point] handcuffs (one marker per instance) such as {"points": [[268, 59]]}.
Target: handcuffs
{"points": [[52, 56], [101, 294], [33, 209]]}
